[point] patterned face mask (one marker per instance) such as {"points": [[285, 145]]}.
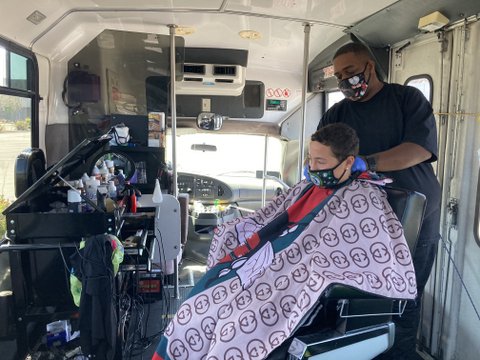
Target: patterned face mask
{"points": [[325, 178], [355, 87]]}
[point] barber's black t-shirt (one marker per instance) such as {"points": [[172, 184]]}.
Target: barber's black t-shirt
{"points": [[396, 114]]}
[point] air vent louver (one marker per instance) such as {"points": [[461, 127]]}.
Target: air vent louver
{"points": [[224, 70], [212, 79], [193, 69]]}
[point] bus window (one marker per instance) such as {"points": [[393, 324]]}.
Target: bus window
{"points": [[17, 96], [238, 154], [18, 72], [333, 97], [3, 67], [422, 83]]}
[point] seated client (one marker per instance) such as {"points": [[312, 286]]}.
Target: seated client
{"points": [[266, 270]]}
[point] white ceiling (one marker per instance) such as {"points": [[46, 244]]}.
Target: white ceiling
{"points": [[71, 24]]}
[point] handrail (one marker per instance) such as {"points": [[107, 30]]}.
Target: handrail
{"points": [[283, 183], [343, 313]]}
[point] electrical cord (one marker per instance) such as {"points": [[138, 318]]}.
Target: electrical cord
{"points": [[134, 320], [470, 298]]}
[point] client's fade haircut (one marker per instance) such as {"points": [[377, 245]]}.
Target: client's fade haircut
{"points": [[341, 138], [356, 48]]}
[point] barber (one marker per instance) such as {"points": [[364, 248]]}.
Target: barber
{"points": [[398, 137]]}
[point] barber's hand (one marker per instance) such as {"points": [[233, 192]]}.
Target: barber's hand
{"points": [[305, 172], [359, 164]]}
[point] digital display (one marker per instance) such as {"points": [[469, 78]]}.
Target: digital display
{"points": [[276, 105], [274, 102]]}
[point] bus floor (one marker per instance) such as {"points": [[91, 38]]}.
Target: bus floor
{"points": [[141, 321], [149, 319]]}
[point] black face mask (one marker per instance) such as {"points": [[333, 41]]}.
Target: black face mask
{"points": [[355, 87], [325, 178]]}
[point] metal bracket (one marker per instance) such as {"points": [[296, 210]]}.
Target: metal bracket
{"points": [[342, 308]]}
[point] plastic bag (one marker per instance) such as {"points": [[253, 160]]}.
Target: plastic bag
{"points": [[120, 135]]}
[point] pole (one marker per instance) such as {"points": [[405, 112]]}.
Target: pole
{"points": [[173, 102], [301, 142]]}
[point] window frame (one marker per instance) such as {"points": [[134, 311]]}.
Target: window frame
{"points": [[32, 94], [422, 76], [476, 223]]}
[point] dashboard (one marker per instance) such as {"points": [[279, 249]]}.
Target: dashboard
{"points": [[226, 189], [204, 188]]}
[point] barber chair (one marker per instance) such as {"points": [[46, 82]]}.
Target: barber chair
{"points": [[347, 323]]}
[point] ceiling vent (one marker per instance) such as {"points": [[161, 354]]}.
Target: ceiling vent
{"points": [[211, 79]]}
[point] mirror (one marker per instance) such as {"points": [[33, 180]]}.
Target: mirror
{"points": [[210, 121], [203, 147], [120, 161]]}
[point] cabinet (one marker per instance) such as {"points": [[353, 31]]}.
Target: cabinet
{"points": [[41, 239]]}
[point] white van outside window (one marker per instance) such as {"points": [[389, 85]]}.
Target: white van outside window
{"points": [[333, 97], [423, 83]]}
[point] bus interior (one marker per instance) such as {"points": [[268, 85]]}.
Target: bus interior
{"points": [[213, 102]]}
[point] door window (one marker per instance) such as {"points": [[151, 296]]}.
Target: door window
{"points": [[422, 83], [18, 100]]}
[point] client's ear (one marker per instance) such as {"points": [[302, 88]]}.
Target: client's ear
{"points": [[350, 160]]}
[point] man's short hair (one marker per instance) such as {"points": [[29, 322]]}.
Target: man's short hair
{"points": [[341, 138], [356, 48]]}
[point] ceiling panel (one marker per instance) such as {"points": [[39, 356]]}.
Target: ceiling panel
{"points": [[154, 4], [330, 11]]}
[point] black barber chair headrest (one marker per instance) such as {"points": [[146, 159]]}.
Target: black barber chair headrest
{"points": [[409, 206]]}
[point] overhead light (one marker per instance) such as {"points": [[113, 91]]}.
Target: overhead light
{"points": [[106, 40], [250, 34], [433, 21], [151, 39], [36, 17], [184, 30], [155, 49]]}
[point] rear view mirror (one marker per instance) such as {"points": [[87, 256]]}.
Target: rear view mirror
{"points": [[203, 147], [209, 121]]}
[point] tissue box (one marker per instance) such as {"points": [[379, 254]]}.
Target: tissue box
{"points": [[58, 333]]}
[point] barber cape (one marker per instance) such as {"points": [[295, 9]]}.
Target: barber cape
{"points": [[266, 270]]}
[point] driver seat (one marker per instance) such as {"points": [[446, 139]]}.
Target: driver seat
{"points": [[347, 323]]}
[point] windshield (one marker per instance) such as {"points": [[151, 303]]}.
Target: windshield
{"points": [[216, 154]]}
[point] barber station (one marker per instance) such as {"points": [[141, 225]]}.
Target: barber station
{"points": [[239, 179]]}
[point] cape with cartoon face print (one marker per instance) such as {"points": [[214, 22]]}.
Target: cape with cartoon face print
{"points": [[266, 270]]}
